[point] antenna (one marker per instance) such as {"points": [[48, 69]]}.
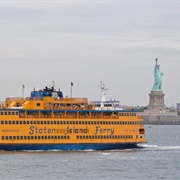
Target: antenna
{"points": [[53, 84]]}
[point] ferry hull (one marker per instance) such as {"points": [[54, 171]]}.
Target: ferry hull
{"points": [[66, 147]]}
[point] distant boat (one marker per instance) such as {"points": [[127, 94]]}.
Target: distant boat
{"points": [[104, 104]]}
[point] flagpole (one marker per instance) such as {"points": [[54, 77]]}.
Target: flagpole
{"points": [[71, 89], [23, 90]]}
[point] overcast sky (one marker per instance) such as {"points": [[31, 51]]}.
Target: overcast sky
{"points": [[86, 42]]}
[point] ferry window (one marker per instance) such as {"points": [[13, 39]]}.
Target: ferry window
{"points": [[24, 122], [10, 137], [9, 113], [25, 137], [82, 122], [32, 137], [5, 113], [54, 122], [59, 137], [64, 122], [12, 113], [2, 122], [94, 122], [92, 137], [6, 122], [115, 136], [64, 137], [7, 137], [31, 122], [103, 122], [97, 122], [45, 137], [34, 122], [38, 104], [55, 137], [76, 122], [48, 122], [13, 122], [57, 122], [27, 122], [100, 122], [68, 137], [38, 122], [60, 122], [28, 137], [35, 137], [44, 122], [2, 137], [49, 137], [16, 113], [67, 122], [42, 137], [89, 122], [107, 122], [2, 113], [9, 122], [89, 137], [99, 137], [70, 122], [39, 137], [18, 137], [102, 137], [77, 137]]}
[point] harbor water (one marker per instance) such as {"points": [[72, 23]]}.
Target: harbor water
{"points": [[158, 159]]}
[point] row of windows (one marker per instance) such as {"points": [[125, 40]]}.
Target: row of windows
{"points": [[33, 137], [70, 114], [106, 137], [72, 122], [9, 113], [66, 137]]}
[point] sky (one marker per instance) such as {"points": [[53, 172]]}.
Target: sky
{"points": [[86, 42]]}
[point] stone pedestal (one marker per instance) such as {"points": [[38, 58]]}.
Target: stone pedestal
{"points": [[156, 103]]}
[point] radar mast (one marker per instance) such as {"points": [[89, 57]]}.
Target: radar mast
{"points": [[103, 93]]}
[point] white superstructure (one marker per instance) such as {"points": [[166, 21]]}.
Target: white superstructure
{"points": [[104, 104]]}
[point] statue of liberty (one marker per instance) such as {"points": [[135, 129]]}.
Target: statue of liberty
{"points": [[157, 78]]}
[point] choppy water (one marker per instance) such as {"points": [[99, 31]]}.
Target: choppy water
{"points": [[160, 159]]}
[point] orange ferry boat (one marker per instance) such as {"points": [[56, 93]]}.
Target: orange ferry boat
{"points": [[48, 121]]}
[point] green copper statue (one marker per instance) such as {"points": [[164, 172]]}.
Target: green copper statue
{"points": [[157, 78]]}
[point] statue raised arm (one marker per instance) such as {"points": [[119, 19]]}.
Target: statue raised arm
{"points": [[157, 78]]}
